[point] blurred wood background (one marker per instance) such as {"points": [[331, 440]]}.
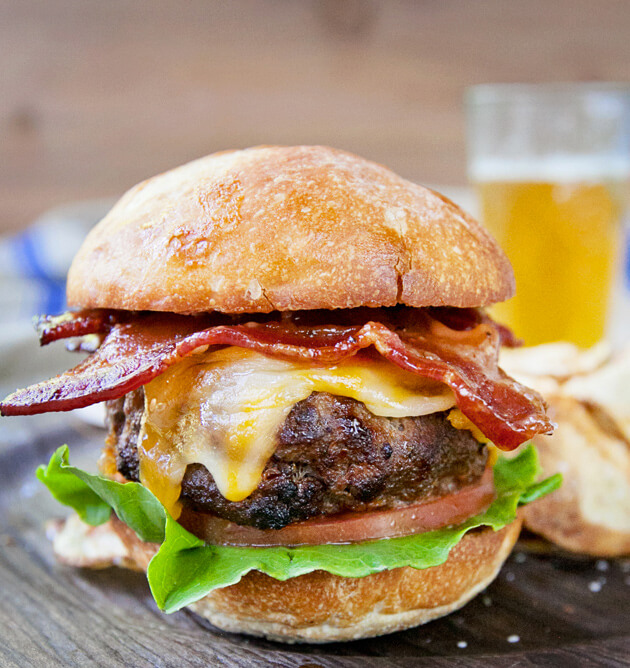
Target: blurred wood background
{"points": [[95, 95]]}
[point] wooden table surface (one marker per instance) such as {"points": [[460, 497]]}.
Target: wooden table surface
{"points": [[98, 95]]}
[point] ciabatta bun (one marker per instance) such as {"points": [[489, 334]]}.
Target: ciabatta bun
{"points": [[285, 228]]}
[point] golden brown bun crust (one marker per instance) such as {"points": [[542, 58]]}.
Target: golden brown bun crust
{"points": [[590, 513], [285, 228], [320, 607]]}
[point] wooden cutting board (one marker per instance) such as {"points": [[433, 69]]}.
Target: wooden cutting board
{"points": [[545, 609]]}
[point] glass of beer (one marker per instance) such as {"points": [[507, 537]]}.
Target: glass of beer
{"points": [[551, 165]]}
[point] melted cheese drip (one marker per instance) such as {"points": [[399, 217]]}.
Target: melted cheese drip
{"points": [[459, 421], [223, 409]]}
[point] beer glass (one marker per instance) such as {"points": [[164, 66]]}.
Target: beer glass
{"points": [[551, 166]]}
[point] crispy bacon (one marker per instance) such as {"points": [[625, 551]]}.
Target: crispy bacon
{"points": [[53, 328], [460, 350]]}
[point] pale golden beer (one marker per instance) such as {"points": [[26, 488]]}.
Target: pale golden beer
{"points": [[563, 240], [551, 164]]}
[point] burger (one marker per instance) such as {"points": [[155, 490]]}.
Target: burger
{"points": [[303, 396]]}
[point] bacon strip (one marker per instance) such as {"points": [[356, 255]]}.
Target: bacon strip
{"points": [[137, 348], [53, 328]]}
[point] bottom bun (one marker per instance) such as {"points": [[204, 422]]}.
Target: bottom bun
{"points": [[319, 607]]}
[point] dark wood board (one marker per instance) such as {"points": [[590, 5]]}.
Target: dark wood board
{"points": [[567, 611]]}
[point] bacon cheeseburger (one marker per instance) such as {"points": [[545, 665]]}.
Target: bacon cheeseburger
{"points": [[302, 392]]}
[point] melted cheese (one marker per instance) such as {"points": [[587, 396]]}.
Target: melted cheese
{"points": [[459, 421], [223, 409]]}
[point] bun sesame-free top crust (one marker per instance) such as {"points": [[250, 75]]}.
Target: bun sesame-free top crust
{"points": [[285, 228]]}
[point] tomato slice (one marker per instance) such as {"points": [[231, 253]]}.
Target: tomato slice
{"points": [[355, 527]]}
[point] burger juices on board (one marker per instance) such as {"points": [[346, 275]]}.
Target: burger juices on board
{"points": [[303, 395]]}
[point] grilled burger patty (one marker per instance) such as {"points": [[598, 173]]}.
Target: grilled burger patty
{"points": [[332, 456]]}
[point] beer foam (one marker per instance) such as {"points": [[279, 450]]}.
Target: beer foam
{"points": [[551, 169]]}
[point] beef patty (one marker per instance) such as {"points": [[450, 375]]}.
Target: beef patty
{"points": [[332, 456]]}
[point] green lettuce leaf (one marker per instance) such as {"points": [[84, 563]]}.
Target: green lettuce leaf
{"points": [[185, 568], [94, 497]]}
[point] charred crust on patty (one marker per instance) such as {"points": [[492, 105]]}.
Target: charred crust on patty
{"points": [[332, 456], [123, 418]]}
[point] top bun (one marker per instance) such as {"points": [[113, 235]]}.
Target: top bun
{"points": [[285, 228]]}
